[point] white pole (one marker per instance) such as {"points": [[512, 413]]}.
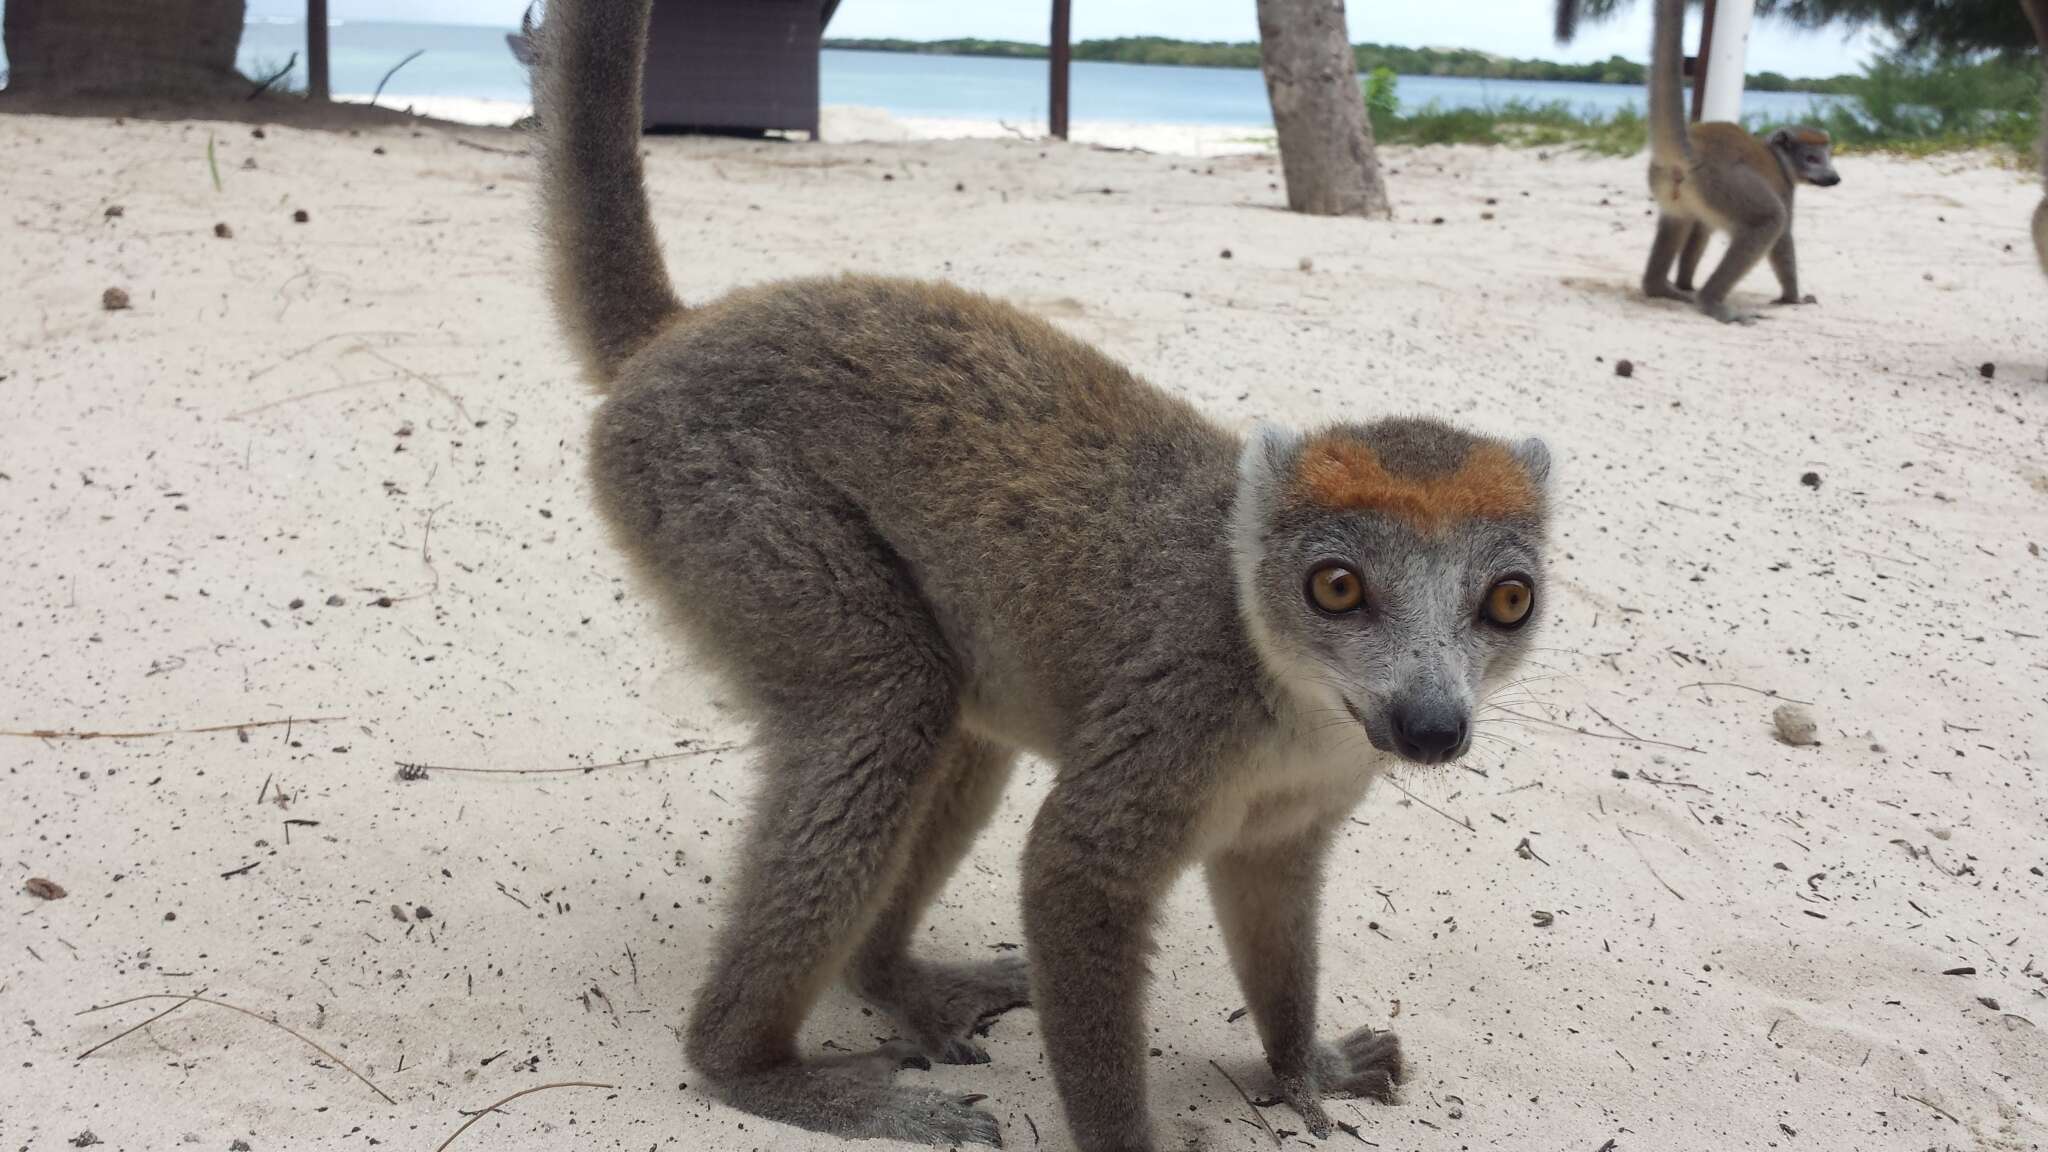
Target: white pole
{"points": [[1726, 60]]}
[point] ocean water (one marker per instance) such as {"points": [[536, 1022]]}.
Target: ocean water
{"points": [[474, 63]]}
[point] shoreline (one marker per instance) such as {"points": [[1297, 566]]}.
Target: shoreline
{"points": [[860, 124]]}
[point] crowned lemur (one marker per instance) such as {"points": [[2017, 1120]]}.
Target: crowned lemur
{"points": [[918, 530]]}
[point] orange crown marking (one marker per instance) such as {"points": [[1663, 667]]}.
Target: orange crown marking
{"points": [[1489, 484], [1813, 136]]}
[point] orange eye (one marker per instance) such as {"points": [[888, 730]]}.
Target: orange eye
{"points": [[1335, 589], [1509, 602]]}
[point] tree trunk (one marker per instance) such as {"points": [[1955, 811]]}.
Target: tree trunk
{"points": [[1326, 147], [122, 47]]}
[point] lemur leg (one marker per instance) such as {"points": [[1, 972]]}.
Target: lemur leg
{"points": [[1689, 257], [1785, 265], [857, 695], [1671, 233], [938, 1005], [1105, 846], [1267, 900], [1748, 240]]}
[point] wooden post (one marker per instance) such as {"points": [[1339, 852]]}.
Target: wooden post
{"points": [[316, 50], [1326, 150], [1699, 67], [1062, 54]]}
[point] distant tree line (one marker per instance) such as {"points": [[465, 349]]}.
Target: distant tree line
{"points": [[1405, 61]]}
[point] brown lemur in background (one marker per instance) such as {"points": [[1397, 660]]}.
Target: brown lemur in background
{"points": [[918, 530], [2037, 16], [1716, 177]]}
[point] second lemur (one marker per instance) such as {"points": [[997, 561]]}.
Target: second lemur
{"points": [[918, 531], [1716, 177]]}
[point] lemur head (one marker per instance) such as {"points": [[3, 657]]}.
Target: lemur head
{"points": [[1392, 570], [1808, 155]]}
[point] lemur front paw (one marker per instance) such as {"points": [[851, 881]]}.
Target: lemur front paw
{"points": [[1809, 298], [1299, 1093]]}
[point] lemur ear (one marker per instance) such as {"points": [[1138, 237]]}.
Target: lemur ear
{"points": [[1781, 138], [1534, 455], [1267, 461]]}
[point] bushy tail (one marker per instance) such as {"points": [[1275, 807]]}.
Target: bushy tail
{"points": [[1667, 84], [611, 292]]}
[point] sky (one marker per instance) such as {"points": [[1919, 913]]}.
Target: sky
{"points": [[1505, 27]]}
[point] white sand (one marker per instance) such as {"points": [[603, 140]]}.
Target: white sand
{"points": [[1748, 939]]}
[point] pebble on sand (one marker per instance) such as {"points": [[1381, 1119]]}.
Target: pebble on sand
{"points": [[1796, 725]]}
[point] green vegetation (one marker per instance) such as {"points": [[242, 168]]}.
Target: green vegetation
{"points": [[1921, 102], [1548, 125], [1403, 61], [1913, 102]]}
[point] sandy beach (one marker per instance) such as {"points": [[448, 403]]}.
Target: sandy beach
{"points": [[311, 513]]}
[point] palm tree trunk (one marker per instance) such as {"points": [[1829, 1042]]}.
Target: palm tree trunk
{"points": [[1326, 149], [167, 48]]}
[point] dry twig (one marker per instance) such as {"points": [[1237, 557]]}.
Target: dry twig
{"points": [[485, 1111], [184, 1000]]}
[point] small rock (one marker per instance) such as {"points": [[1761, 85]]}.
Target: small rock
{"points": [[1796, 726], [114, 299], [383, 601], [1624, 368], [300, 216], [1436, 220], [959, 186], [335, 601], [1621, 773], [249, 163], [242, 1145], [1225, 254], [223, 231], [114, 210], [296, 604], [398, 913], [170, 916], [84, 1139], [1940, 833], [257, 133], [1988, 1002], [1987, 369], [1810, 479], [43, 889], [377, 151], [422, 912], [1307, 264]]}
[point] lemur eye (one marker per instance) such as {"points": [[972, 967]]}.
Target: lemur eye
{"points": [[1509, 602], [1335, 589]]}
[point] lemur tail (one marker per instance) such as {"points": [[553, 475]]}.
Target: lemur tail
{"points": [[611, 291], [1567, 20], [1668, 139]]}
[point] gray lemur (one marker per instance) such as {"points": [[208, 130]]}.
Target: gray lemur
{"points": [[918, 530], [1717, 177], [2037, 17]]}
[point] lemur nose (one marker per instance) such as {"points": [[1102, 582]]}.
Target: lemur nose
{"points": [[1430, 734]]}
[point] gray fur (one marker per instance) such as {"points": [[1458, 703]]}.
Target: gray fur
{"points": [[918, 530]]}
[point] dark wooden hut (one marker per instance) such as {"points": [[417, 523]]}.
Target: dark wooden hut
{"points": [[734, 66]]}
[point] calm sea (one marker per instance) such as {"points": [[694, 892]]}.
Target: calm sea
{"points": [[474, 63]]}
